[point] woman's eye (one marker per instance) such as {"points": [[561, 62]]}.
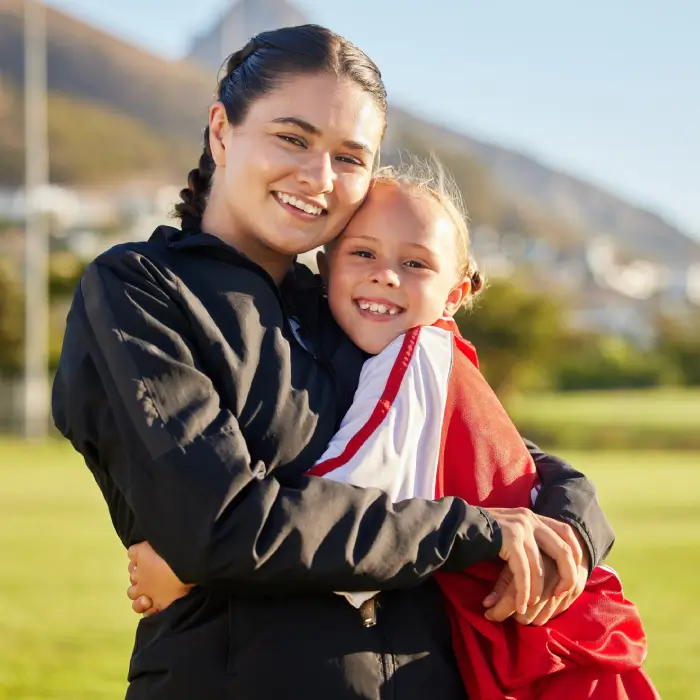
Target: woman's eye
{"points": [[350, 160], [292, 139]]}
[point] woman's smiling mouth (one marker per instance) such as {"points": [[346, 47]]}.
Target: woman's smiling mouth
{"points": [[300, 205]]}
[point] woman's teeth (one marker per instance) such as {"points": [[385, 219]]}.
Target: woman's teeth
{"points": [[299, 204], [375, 308]]}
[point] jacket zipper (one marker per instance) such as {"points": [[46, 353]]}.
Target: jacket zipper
{"points": [[368, 612]]}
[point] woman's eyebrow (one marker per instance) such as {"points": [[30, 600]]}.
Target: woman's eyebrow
{"points": [[315, 131], [301, 123]]}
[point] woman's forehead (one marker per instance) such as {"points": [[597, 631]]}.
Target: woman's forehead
{"points": [[331, 106]]}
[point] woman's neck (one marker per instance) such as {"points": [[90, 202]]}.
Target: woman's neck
{"points": [[275, 264]]}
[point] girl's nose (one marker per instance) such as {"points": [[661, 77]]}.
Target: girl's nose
{"points": [[386, 276]]}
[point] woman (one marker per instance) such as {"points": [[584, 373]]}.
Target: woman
{"points": [[202, 375]]}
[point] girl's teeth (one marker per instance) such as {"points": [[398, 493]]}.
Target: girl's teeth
{"points": [[299, 204], [375, 308]]}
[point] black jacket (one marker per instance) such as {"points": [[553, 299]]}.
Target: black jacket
{"points": [[184, 385]]}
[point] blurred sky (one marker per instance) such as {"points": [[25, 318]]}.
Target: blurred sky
{"points": [[607, 89]]}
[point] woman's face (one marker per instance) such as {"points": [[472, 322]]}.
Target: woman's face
{"points": [[292, 174]]}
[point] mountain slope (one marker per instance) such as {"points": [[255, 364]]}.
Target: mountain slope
{"points": [[583, 205], [84, 62]]}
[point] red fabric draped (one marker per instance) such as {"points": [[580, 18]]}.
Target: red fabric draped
{"points": [[593, 650]]}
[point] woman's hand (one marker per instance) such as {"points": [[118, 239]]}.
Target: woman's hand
{"points": [[526, 537], [154, 585], [555, 598]]}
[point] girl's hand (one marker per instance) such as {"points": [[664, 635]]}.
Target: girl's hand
{"points": [[154, 585]]}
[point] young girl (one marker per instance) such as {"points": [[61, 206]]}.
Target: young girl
{"points": [[395, 278]]}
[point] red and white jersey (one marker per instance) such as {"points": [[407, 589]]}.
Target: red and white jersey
{"points": [[425, 423]]}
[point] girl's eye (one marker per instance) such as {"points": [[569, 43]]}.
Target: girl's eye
{"points": [[292, 139], [415, 264], [363, 254]]}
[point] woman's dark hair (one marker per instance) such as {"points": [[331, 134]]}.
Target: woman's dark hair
{"points": [[257, 69]]}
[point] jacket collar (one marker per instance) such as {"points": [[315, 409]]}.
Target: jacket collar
{"points": [[298, 279], [190, 238]]}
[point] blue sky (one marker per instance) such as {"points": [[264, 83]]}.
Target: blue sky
{"points": [[608, 90]]}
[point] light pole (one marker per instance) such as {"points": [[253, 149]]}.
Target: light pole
{"points": [[36, 327]]}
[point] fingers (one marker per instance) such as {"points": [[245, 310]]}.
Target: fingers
{"points": [[554, 605], [543, 614], [534, 557], [504, 581], [491, 599], [525, 539], [520, 567], [141, 604], [519, 551], [503, 609], [568, 534], [555, 547]]}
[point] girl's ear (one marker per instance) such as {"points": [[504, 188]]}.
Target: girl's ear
{"points": [[457, 297]]}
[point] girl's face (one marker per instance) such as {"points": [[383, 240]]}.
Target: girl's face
{"points": [[394, 267], [289, 177]]}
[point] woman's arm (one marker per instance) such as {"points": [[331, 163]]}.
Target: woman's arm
{"points": [[567, 495], [207, 507]]}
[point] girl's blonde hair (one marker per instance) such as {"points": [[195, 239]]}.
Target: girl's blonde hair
{"points": [[429, 178]]}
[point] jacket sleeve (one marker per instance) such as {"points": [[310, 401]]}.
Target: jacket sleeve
{"points": [[569, 496], [201, 499]]}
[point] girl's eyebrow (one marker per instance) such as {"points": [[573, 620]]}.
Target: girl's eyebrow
{"points": [[362, 238], [422, 247]]}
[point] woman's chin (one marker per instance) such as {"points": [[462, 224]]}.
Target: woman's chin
{"points": [[295, 242]]}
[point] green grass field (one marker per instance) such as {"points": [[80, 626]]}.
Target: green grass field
{"points": [[67, 627], [668, 408], [665, 418]]}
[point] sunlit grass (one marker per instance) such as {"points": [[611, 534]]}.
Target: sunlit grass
{"points": [[67, 628]]}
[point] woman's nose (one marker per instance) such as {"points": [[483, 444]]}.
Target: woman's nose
{"points": [[317, 173]]}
